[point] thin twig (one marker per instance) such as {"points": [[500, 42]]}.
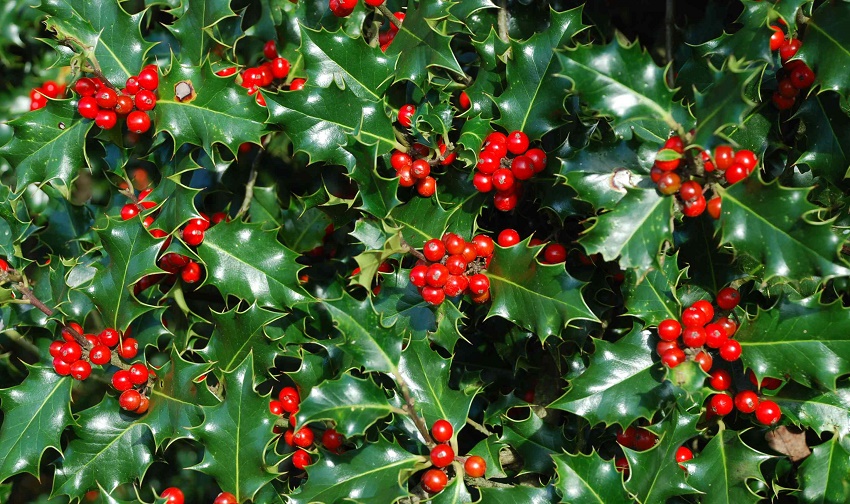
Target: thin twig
{"points": [[477, 426], [392, 17], [410, 409], [410, 249], [249, 187], [503, 21]]}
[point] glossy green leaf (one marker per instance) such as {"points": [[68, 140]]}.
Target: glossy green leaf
{"points": [[819, 411], [588, 479], [623, 382], [541, 298], [245, 261], [194, 27], [48, 146], [634, 231], [373, 473], [750, 42], [351, 403], [533, 100], [35, 414], [454, 493], [112, 447], [825, 474], [519, 495], [827, 137], [536, 441], [367, 340], [653, 298], [725, 469], [235, 434], [773, 225], [723, 104], [377, 193], [827, 47], [600, 174]]}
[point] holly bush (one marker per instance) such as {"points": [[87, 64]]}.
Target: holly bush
{"points": [[408, 251]]}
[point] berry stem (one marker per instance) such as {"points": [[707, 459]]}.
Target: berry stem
{"points": [[477, 426], [249, 187], [503, 21], [88, 53], [410, 408], [417, 254], [387, 12]]}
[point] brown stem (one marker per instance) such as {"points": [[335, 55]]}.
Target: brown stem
{"points": [[249, 187], [503, 21], [392, 17], [410, 249], [67, 41], [410, 408], [480, 428]]}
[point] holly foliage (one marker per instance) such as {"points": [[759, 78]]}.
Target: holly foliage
{"points": [[256, 247]]}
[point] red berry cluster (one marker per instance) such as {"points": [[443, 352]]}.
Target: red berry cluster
{"points": [[417, 172], [343, 8], [442, 455], [745, 401], [453, 267], [263, 76], [386, 37], [101, 102], [636, 438], [497, 171], [666, 173], [288, 402], [796, 75], [39, 95]]}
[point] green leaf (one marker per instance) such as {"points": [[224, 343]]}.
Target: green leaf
{"points": [[352, 404], [247, 262], [749, 43], [303, 228], [604, 77], [237, 334], [421, 44], [723, 104], [194, 27], [634, 231], [325, 123], [774, 225], [48, 146], [587, 479], [130, 254], [533, 101], [373, 473], [472, 135], [655, 475], [826, 148], [334, 58], [220, 112], [622, 383], [454, 493], [367, 340], [519, 494], [819, 411], [111, 448], [103, 25], [378, 194], [34, 415], [827, 47], [653, 298], [600, 173], [176, 401], [803, 339], [824, 474], [725, 468], [427, 377], [235, 434], [535, 441]]}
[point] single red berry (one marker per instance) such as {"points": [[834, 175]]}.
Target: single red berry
{"points": [[280, 68], [777, 38], [626, 437], [437, 275], [690, 190], [789, 49], [226, 72], [417, 275], [463, 99], [484, 245], [475, 466], [802, 76], [442, 431], [693, 317], [420, 169], [106, 119], [454, 243], [644, 439], [508, 238], [730, 351], [705, 307], [434, 250], [768, 412], [61, 367], [622, 465], [138, 122], [106, 98], [149, 78], [736, 173], [728, 298], [124, 105], [675, 143], [673, 357], [191, 273], [56, 348], [100, 354], [129, 348], [289, 393], [728, 325], [405, 115], [400, 160], [270, 50], [129, 211], [138, 373], [66, 333], [503, 179], [332, 440], [130, 399], [669, 329], [434, 480], [85, 87], [301, 459], [505, 201], [193, 235], [786, 89], [225, 498], [683, 454], [479, 283], [715, 335], [426, 187], [433, 295], [80, 369], [442, 455], [109, 337], [694, 207], [297, 84], [669, 183], [145, 100], [303, 437], [517, 142], [488, 162], [522, 167], [669, 164], [275, 407], [747, 159], [122, 380], [132, 86], [720, 380], [663, 346], [723, 157], [173, 494], [70, 352], [455, 285], [456, 264], [704, 360], [746, 401], [713, 207], [781, 102], [720, 404], [554, 253], [405, 178]]}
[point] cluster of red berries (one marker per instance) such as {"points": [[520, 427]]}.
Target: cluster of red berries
{"points": [[288, 402], [796, 75], [39, 95], [636, 438], [745, 401], [417, 172], [254, 78], [498, 171], [453, 267], [554, 253], [72, 358], [386, 37], [343, 8], [101, 102], [734, 167], [442, 455]]}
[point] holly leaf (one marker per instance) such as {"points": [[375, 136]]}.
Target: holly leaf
{"points": [[655, 475], [378, 194], [723, 103], [622, 382], [653, 298], [823, 475], [352, 404], [603, 76], [236, 334], [130, 254], [724, 470], [454, 493], [601, 173], [104, 26], [634, 231], [588, 479], [825, 50], [176, 401], [427, 377], [519, 494], [421, 44], [325, 122], [111, 448], [194, 28], [245, 261], [826, 147], [367, 340], [541, 298], [533, 101], [235, 434], [303, 228], [805, 339], [535, 441], [819, 411], [472, 135], [773, 225], [48, 146], [217, 111], [749, 42], [373, 473], [334, 58], [34, 415]]}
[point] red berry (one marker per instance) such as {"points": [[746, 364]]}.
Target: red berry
{"points": [[667, 165], [303, 437], [789, 49], [100, 354], [138, 373], [663, 346], [270, 50], [505, 201], [332, 440], [728, 325], [400, 160], [297, 84], [417, 275], [673, 357], [145, 100], [522, 167], [720, 379], [433, 295], [129, 211], [405, 179], [130, 399], [85, 87], [442, 431], [488, 162], [626, 437], [138, 122], [290, 393], [713, 207], [61, 367], [781, 102], [683, 454], [746, 401], [193, 235], [420, 169], [730, 351], [669, 183], [70, 352], [456, 264], [517, 142], [554, 253], [704, 360], [149, 78], [736, 173], [508, 238], [669, 330], [715, 335], [622, 465], [124, 105], [675, 143], [538, 159], [129, 348], [275, 408], [690, 190], [106, 98], [191, 273], [131, 86], [723, 157], [442, 455], [434, 250], [644, 439], [301, 459], [479, 283], [122, 380], [475, 466], [225, 498], [705, 307], [405, 115], [463, 100], [802, 76], [434, 480], [728, 298], [109, 337], [173, 494], [484, 245], [786, 89], [777, 38], [437, 275], [66, 333], [426, 187], [503, 179], [56, 348], [768, 412], [106, 119], [747, 159], [693, 317], [695, 207], [720, 404], [80, 370]]}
